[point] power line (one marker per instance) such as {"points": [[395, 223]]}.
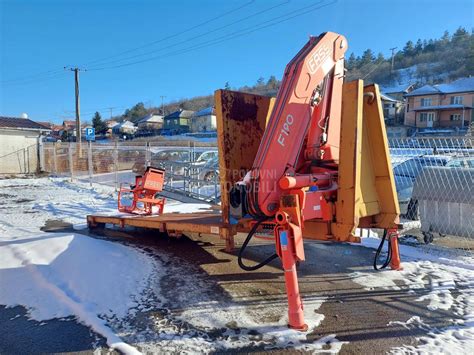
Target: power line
{"points": [[49, 74], [176, 34], [33, 76], [300, 12], [198, 36], [26, 81]]}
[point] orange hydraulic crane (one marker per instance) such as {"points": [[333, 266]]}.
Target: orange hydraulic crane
{"points": [[322, 167]]}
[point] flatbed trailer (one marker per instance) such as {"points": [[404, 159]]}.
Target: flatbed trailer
{"points": [[237, 115], [173, 224]]}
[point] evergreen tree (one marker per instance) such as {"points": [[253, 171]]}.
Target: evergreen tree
{"points": [[351, 62], [227, 86], [367, 57], [418, 46], [99, 125], [136, 112], [460, 35], [409, 49], [261, 81], [430, 46], [272, 83]]}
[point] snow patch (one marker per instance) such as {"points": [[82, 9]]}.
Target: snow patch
{"points": [[61, 275], [439, 275]]}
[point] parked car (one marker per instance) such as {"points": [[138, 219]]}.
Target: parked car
{"points": [[206, 156], [464, 162], [406, 173], [164, 159], [210, 171]]}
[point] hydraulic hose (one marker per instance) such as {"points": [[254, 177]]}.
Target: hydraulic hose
{"points": [[244, 245], [379, 250]]}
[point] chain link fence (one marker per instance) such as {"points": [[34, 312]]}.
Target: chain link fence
{"points": [[434, 178], [191, 170]]}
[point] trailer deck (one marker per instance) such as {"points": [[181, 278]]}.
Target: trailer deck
{"points": [[174, 224]]}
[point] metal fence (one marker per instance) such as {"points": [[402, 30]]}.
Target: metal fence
{"points": [[117, 163], [434, 178]]}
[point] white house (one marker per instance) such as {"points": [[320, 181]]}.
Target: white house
{"points": [[203, 120], [126, 127], [19, 142], [150, 122]]}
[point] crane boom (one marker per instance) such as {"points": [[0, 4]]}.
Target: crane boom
{"points": [[316, 166], [309, 97]]}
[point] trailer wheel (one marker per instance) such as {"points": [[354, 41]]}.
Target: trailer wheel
{"points": [[96, 227], [412, 210], [428, 237]]}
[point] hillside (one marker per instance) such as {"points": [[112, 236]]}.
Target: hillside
{"points": [[421, 62]]}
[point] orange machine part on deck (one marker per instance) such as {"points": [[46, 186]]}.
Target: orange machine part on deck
{"points": [[144, 193], [295, 177]]}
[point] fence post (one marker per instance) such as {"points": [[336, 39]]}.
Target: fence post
{"points": [[24, 160], [71, 169], [116, 164], [89, 162], [171, 176], [28, 159], [55, 158], [216, 178], [40, 155], [184, 179], [147, 155]]}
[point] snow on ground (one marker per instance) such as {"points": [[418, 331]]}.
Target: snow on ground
{"points": [[449, 277], [56, 275], [117, 289], [156, 302]]}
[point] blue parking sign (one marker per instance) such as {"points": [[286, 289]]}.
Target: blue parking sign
{"points": [[90, 134]]}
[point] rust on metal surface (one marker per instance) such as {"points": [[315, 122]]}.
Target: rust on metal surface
{"points": [[241, 122]]}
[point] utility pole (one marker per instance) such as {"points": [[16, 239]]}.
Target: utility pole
{"points": [[162, 105], [76, 71], [111, 110], [393, 58]]}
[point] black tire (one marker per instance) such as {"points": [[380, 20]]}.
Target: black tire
{"points": [[210, 176], [428, 237], [412, 210]]}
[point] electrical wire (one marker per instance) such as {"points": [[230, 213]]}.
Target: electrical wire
{"points": [[299, 12], [52, 73], [379, 250], [175, 34], [198, 36], [33, 79], [244, 245]]}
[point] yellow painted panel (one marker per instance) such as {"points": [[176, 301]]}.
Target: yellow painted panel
{"points": [[366, 183], [349, 163]]}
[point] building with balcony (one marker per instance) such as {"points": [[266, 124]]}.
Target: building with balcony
{"points": [[444, 105]]}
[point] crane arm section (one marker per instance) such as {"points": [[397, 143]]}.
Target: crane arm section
{"points": [[310, 96]]}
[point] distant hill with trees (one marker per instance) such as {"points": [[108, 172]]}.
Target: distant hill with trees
{"points": [[420, 62]]}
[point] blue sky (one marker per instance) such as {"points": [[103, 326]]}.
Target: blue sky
{"points": [[38, 38]]}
